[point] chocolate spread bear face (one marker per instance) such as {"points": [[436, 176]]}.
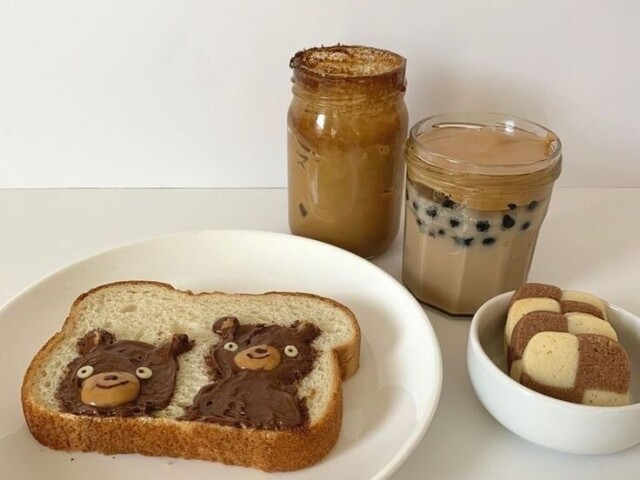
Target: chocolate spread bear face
{"points": [[256, 368], [120, 378], [284, 354]]}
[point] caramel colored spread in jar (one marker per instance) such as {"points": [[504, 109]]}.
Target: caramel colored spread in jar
{"points": [[347, 124], [478, 189]]}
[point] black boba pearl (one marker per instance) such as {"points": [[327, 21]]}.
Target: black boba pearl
{"points": [[415, 205], [512, 206], [526, 225], [406, 194], [532, 206], [482, 226], [432, 211], [454, 222], [488, 241], [508, 222], [465, 242], [448, 203], [441, 232], [418, 221]]}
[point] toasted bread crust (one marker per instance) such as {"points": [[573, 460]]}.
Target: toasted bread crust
{"points": [[264, 449], [269, 450]]}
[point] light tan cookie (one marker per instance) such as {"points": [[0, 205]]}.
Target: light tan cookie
{"points": [[536, 322], [587, 369]]}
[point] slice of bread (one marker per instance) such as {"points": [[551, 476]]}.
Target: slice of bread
{"points": [[153, 312]]}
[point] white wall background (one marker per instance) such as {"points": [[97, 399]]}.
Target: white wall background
{"points": [[194, 93]]}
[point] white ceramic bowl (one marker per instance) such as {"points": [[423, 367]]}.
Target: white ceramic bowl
{"points": [[549, 422]]}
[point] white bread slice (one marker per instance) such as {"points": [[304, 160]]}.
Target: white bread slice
{"points": [[152, 312]]}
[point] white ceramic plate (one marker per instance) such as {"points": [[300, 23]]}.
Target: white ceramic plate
{"points": [[388, 403]]}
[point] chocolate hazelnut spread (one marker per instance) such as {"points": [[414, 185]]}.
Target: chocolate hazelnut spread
{"points": [[120, 378], [256, 370], [478, 189], [347, 124]]}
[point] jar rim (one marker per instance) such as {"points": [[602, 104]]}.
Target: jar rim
{"points": [[348, 62], [482, 119]]}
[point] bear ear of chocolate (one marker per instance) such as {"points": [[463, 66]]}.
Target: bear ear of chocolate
{"points": [[225, 326], [306, 332], [179, 343], [94, 339]]}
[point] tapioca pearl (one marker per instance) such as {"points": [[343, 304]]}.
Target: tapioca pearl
{"points": [[419, 221], [414, 204], [525, 226], [532, 206], [441, 232], [483, 225], [507, 222], [448, 203], [432, 211], [512, 206], [488, 241], [465, 242], [454, 222], [406, 194]]}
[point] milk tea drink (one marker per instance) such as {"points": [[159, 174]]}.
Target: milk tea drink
{"points": [[478, 188]]}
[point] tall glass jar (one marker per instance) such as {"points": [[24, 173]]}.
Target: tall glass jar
{"points": [[347, 124], [478, 189]]}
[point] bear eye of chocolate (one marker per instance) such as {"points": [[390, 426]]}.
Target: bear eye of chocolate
{"points": [[85, 372], [291, 351], [143, 372], [231, 346]]}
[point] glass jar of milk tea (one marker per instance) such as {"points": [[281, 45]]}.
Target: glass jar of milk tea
{"points": [[347, 124], [478, 188]]}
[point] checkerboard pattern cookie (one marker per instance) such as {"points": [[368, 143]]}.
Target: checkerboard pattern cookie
{"points": [[560, 343], [587, 369]]}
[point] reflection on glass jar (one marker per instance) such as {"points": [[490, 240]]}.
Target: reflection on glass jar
{"points": [[478, 189], [347, 124]]}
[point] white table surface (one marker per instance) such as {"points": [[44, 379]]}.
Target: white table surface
{"points": [[589, 241]]}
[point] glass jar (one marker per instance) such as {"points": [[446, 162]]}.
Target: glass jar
{"points": [[347, 124], [478, 189]]}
